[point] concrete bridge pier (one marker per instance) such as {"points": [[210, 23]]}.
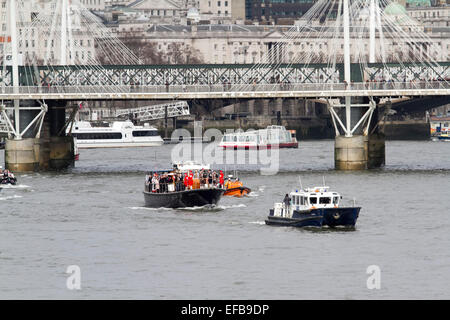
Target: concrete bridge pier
{"points": [[62, 147], [364, 149], [359, 152], [40, 148], [24, 154]]}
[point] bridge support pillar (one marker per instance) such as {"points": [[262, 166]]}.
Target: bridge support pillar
{"points": [[62, 147], [23, 155], [39, 154], [359, 152], [62, 152], [41, 147]]}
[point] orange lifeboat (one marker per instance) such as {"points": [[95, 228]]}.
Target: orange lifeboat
{"points": [[236, 189]]}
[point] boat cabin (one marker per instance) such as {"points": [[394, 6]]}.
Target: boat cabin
{"points": [[309, 198], [314, 198]]}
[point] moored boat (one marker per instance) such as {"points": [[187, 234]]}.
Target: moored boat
{"points": [[270, 138], [119, 135], [313, 207]]}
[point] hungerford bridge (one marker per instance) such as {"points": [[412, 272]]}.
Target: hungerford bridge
{"points": [[354, 92]]}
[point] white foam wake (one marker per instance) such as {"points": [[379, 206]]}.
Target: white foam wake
{"points": [[10, 197], [18, 186]]}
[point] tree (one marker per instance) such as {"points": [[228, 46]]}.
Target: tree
{"points": [[149, 53]]}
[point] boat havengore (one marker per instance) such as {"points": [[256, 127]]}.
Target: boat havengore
{"points": [[235, 188], [181, 187], [313, 207], [269, 138]]}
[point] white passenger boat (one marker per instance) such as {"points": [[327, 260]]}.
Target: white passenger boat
{"points": [[269, 138], [119, 134]]}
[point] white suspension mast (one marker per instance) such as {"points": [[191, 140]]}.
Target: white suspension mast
{"points": [[347, 72], [69, 27], [380, 31], [372, 15], [63, 58], [15, 63]]}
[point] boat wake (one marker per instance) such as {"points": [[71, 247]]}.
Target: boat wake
{"points": [[257, 222], [209, 208], [10, 197], [150, 209], [252, 195], [10, 186]]}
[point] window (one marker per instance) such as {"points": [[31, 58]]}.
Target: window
{"points": [[335, 200], [324, 200], [98, 135], [145, 133], [313, 200]]}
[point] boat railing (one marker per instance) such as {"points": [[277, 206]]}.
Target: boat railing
{"points": [[178, 186]]}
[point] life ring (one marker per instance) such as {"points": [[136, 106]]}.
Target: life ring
{"points": [[336, 215]]}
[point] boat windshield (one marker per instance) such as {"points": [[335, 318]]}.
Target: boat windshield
{"points": [[324, 200]]}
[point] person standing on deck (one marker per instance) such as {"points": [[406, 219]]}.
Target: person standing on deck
{"points": [[221, 179], [287, 203]]}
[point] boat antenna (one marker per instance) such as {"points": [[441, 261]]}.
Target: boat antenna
{"points": [[300, 180]]}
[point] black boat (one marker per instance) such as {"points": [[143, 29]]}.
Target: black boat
{"points": [[315, 207], [182, 199], [178, 188]]}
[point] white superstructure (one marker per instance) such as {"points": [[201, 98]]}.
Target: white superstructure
{"points": [[307, 199], [271, 137], [119, 134]]}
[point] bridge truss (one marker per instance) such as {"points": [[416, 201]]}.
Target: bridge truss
{"points": [[214, 74], [155, 112]]}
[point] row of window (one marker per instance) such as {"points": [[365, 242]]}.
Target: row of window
{"points": [[112, 135], [301, 201]]}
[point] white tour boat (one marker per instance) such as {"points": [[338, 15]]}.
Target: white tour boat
{"points": [[271, 137], [119, 134]]}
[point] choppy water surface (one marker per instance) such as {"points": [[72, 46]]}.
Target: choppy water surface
{"points": [[93, 216]]}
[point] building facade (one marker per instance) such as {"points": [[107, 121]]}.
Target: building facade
{"points": [[276, 11]]}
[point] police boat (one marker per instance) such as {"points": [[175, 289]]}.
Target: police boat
{"points": [[313, 207]]}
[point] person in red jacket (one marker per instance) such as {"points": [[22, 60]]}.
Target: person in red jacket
{"points": [[186, 181], [190, 180], [221, 180]]}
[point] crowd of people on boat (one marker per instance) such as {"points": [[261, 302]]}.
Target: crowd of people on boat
{"points": [[174, 181], [7, 177]]}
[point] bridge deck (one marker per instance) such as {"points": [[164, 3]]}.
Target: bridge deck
{"points": [[226, 91]]}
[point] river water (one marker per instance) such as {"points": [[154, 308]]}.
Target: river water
{"points": [[92, 216]]}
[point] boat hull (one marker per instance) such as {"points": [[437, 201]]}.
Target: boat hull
{"points": [[237, 192], [183, 199], [345, 216], [85, 145], [261, 147], [332, 217], [307, 221]]}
